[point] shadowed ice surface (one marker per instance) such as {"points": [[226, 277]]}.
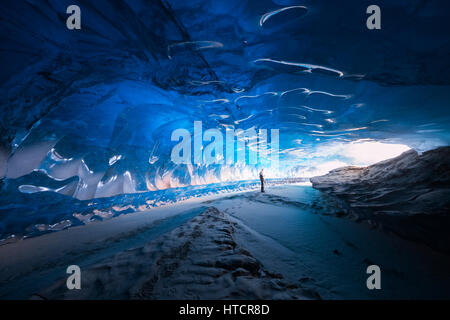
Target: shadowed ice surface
{"points": [[331, 254]]}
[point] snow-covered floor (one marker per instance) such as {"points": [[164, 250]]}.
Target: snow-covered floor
{"points": [[284, 244]]}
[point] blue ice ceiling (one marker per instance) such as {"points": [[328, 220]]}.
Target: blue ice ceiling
{"points": [[89, 113]]}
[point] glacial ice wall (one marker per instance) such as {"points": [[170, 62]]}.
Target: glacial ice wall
{"points": [[89, 113]]}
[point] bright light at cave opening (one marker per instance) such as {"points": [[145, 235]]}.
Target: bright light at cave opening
{"points": [[335, 155], [370, 152]]}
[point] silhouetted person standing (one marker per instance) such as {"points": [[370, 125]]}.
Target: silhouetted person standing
{"points": [[261, 177]]}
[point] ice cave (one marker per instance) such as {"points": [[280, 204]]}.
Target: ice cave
{"points": [[350, 124]]}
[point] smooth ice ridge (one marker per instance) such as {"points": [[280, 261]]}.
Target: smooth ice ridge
{"points": [[195, 45], [305, 66], [268, 15]]}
